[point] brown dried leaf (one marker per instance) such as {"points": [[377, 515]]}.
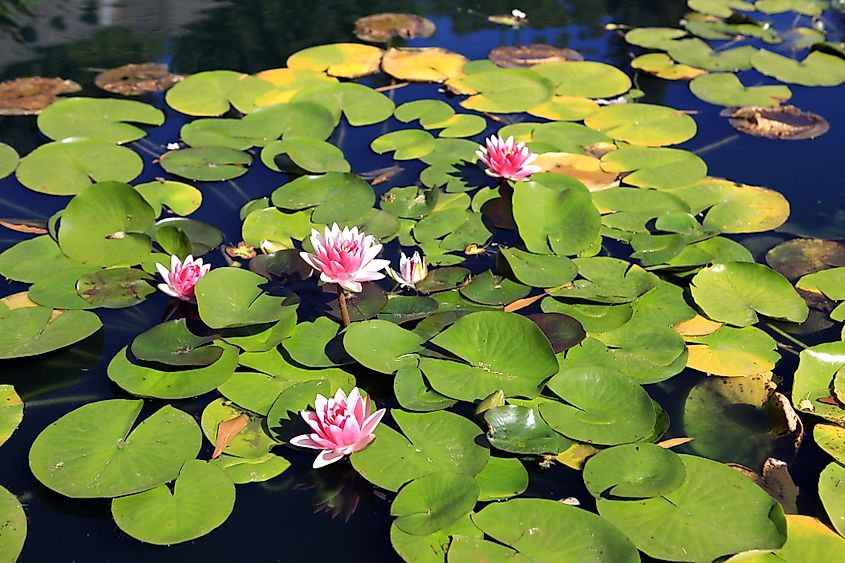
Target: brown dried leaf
{"points": [[775, 480], [523, 303], [786, 123], [137, 79], [510, 56], [226, 432], [672, 442], [697, 326], [28, 96], [30, 226]]}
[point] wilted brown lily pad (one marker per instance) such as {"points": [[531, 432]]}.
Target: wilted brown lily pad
{"points": [[510, 56], [798, 257], [137, 79], [380, 28], [28, 96], [787, 123]]}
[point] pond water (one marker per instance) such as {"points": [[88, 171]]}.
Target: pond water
{"points": [[273, 521]]}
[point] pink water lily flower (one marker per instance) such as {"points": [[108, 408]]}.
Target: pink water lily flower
{"points": [[342, 425], [506, 159], [411, 270], [345, 257], [180, 280]]}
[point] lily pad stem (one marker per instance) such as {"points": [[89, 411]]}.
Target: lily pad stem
{"points": [[786, 335], [341, 301]]}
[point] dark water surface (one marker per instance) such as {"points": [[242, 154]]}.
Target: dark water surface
{"points": [[273, 521]]}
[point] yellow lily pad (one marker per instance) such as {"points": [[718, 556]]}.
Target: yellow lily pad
{"points": [[344, 60], [661, 65], [585, 168], [428, 64]]}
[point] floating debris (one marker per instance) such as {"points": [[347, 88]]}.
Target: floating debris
{"points": [[137, 79], [381, 28], [787, 123], [28, 96], [510, 56]]}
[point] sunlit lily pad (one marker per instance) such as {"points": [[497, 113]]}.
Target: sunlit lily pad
{"points": [[721, 8], [380, 28], [232, 297], [643, 124], [207, 164], [173, 343], [205, 93], [662, 66], [727, 90], [698, 54], [344, 60], [817, 68], [11, 412], [633, 471], [604, 407], [31, 330], [201, 500], [818, 368], [502, 478], [252, 470], [655, 167], [654, 37], [715, 512], [407, 144], [433, 502], [90, 451], [250, 442], [101, 119], [13, 524], [435, 442], [8, 160], [830, 283], [501, 350], [506, 90], [426, 64], [30, 95], [69, 166], [361, 105], [733, 352], [547, 530], [312, 155], [335, 196], [182, 199], [588, 79], [736, 292], [382, 346], [521, 430], [805, 7], [539, 270]]}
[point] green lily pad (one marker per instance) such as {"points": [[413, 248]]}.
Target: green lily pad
{"points": [[414, 394], [501, 478], [715, 512], [406, 308], [433, 502], [720, 8], [8, 160], [173, 343], [232, 297], [206, 164], [502, 351], [312, 155], [817, 68], [67, 167], [521, 430], [539, 270], [106, 225], [274, 225], [643, 124], [252, 470], [97, 118], [547, 530], [733, 351], [203, 237], [605, 407], [696, 53], [205, 93], [431, 548], [115, 288], [202, 499], [251, 442], [13, 524], [335, 196], [11, 412], [830, 438], [30, 331], [818, 367], [382, 346], [555, 214], [831, 492], [489, 289], [407, 144], [657, 168], [654, 37], [361, 105], [145, 380], [90, 452], [182, 199], [607, 280], [736, 292], [805, 7], [727, 90], [238, 134], [506, 90], [317, 344], [436, 442], [633, 471], [584, 78]]}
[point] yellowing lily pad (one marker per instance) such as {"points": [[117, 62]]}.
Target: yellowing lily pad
{"points": [[565, 108], [585, 168], [344, 60], [427, 64], [506, 90], [662, 66], [587, 79], [733, 352]]}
